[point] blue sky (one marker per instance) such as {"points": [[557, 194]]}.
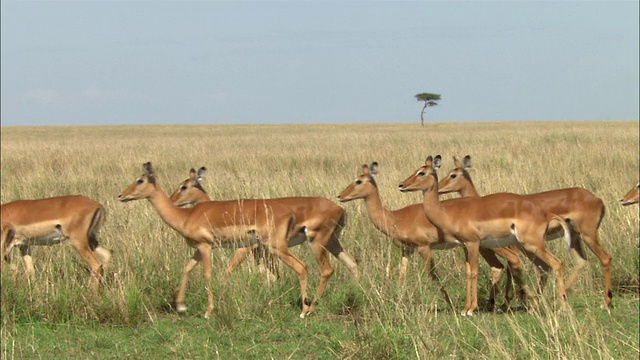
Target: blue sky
{"points": [[188, 62]]}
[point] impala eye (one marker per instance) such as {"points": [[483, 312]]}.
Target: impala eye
{"points": [[183, 187], [358, 182], [453, 176], [421, 173], [139, 181]]}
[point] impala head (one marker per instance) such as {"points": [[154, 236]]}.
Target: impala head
{"points": [[425, 178], [632, 196], [362, 186], [190, 190], [456, 179], [142, 188]]}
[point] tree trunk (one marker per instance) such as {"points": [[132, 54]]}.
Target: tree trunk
{"points": [[422, 114]]}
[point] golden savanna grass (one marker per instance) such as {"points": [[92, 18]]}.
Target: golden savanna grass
{"points": [[374, 316]]}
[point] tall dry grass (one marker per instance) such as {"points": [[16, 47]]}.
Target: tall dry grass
{"points": [[247, 161]]}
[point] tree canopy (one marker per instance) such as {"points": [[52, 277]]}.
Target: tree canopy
{"points": [[429, 100]]}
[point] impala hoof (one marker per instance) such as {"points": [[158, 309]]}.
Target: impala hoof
{"points": [[306, 313], [207, 315], [467, 313], [181, 308]]}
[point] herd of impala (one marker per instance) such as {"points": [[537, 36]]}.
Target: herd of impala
{"points": [[502, 224]]}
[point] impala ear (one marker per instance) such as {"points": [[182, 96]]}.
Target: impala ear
{"points": [[428, 161], [466, 162], [437, 162], [365, 169], [192, 173], [201, 172], [374, 168], [148, 169], [456, 162]]}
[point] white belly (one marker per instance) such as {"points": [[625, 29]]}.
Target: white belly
{"points": [[495, 243], [239, 243], [20, 240], [445, 245]]}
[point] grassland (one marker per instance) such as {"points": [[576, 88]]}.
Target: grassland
{"points": [[56, 316]]}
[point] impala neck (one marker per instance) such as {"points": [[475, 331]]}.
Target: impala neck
{"points": [[432, 207], [469, 190], [201, 197], [174, 216], [382, 218]]}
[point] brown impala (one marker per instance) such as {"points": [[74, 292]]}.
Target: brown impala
{"points": [[236, 223], [73, 218], [410, 230], [318, 220], [583, 210], [495, 220]]}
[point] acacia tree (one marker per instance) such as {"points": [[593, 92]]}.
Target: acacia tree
{"points": [[429, 100]]}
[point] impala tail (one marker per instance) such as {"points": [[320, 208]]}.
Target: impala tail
{"points": [[96, 221], [565, 228], [8, 235]]}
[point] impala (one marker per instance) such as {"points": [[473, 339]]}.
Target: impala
{"points": [[632, 196], [579, 207], [48, 221], [190, 192], [410, 230], [318, 220], [235, 223], [492, 220]]}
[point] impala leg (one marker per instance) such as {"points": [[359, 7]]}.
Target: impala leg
{"points": [[404, 261], [25, 252], [589, 235], [94, 264], [514, 274], [497, 268], [548, 258], [301, 269], [238, 257], [543, 276], [472, 254], [406, 252], [205, 256], [541, 266], [471, 251], [81, 244], [180, 307], [425, 252], [467, 272], [326, 271], [580, 261]]}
